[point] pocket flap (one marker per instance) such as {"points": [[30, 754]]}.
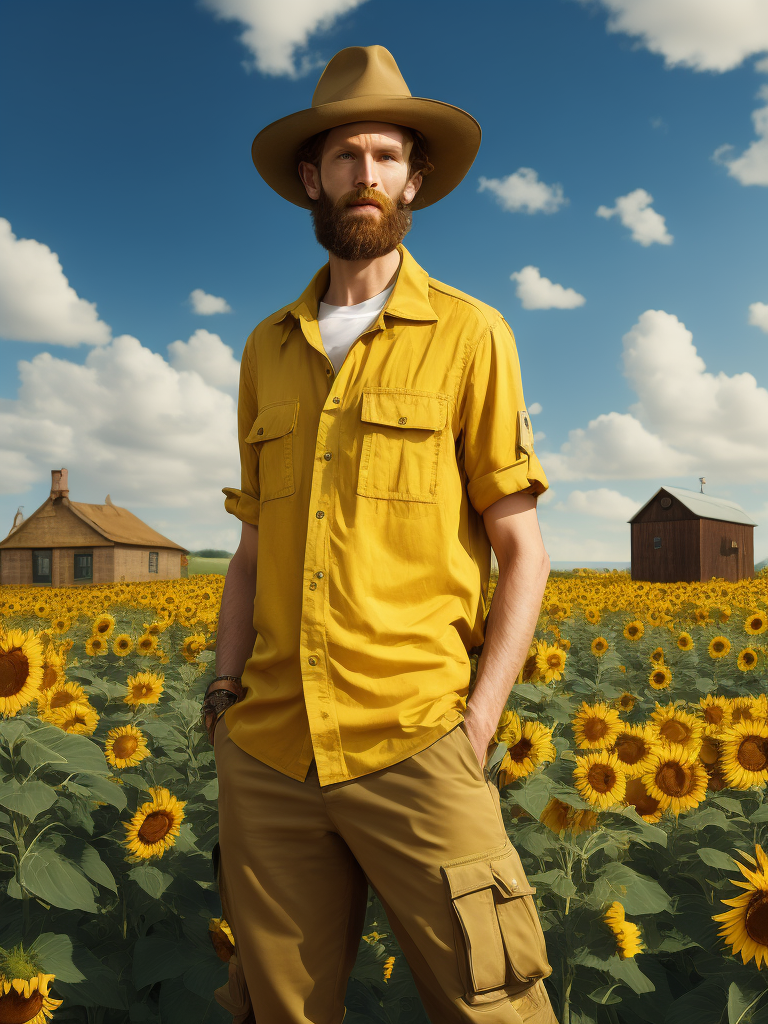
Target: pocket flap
{"points": [[274, 421], [399, 407], [504, 873]]}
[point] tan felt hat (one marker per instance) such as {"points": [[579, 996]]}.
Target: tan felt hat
{"points": [[363, 83]]}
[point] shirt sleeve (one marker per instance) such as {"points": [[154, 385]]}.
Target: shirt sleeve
{"points": [[244, 502], [498, 446]]}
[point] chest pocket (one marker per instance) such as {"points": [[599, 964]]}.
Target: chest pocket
{"points": [[272, 435], [402, 434]]}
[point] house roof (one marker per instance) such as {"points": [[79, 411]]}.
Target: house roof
{"points": [[121, 526], [704, 505]]}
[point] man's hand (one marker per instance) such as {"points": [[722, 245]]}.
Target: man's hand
{"points": [[211, 718], [480, 734]]}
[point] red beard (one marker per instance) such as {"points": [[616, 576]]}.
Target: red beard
{"points": [[351, 236]]}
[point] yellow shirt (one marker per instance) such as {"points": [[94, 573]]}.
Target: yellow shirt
{"points": [[368, 488]]}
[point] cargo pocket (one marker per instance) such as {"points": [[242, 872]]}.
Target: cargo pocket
{"points": [[500, 943], [272, 437], [401, 434]]}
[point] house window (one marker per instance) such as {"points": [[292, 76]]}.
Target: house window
{"points": [[41, 566], [83, 565], [154, 558], [657, 542]]}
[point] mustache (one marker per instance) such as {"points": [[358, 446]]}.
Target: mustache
{"points": [[365, 194]]}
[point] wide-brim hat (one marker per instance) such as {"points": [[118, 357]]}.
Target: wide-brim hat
{"points": [[363, 83]]}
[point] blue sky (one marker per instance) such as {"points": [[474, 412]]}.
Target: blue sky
{"points": [[127, 154]]}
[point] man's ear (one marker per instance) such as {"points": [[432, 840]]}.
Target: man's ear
{"points": [[413, 186], [310, 177]]}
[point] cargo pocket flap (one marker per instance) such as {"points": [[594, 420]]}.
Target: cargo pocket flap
{"points": [[504, 873], [274, 421], [509, 875], [396, 407]]}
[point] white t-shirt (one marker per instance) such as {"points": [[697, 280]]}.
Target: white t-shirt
{"points": [[340, 326]]}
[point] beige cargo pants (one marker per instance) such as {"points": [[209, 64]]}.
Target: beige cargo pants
{"points": [[427, 834]]}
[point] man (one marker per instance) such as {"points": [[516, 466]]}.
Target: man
{"points": [[384, 447]]}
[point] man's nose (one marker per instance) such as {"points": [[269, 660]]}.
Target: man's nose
{"points": [[366, 173]]}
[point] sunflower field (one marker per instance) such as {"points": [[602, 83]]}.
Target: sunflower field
{"points": [[632, 763]]}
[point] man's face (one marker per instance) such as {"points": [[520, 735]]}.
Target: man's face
{"points": [[362, 190]]}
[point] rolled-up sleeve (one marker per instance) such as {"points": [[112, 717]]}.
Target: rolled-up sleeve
{"points": [[495, 457], [243, 502]]}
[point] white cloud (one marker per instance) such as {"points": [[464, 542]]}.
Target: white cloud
{"points": [[537, 292], [37, 302], [275, 31], [686, 421], [534, 409], [602, 502], [706, 35], [758, 316], [522, 192], [636, 213], [207, 355], [206, 305], [751, 168]]}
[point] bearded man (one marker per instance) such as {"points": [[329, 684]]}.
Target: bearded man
{"points": [[385, 447]]}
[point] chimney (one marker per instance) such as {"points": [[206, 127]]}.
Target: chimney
{"points": [[59, 484]]}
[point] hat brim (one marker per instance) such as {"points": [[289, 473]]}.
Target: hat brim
{"points": [[452, 136]]}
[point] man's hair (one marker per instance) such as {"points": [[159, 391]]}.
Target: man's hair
{"points": [[311, 151]]}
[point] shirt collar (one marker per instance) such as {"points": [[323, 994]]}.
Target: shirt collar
{"points": [[409, 299]]}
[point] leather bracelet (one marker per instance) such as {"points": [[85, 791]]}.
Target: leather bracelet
{"points": [[217, 702], [232, 679]]}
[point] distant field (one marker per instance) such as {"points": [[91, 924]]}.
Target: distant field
{"points": [[200, 566]]}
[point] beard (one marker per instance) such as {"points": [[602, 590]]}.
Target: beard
{"points": [[360, 236]]}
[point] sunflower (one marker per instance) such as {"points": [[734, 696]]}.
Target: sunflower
{"points": [[192, 646], [596, 726], [155, 826], [222, 939], [685, 642], [508, 730], [744, 758], [144, 688], [146, 644], [628, 942], [53, 669], [756, 623], [660, 678], [21, 670], [634, 746], [78, 717], [719, 646], [656, 617], [634, 630], [599, 778], [710, 751], [532, 749], [95, 645], [561, 817], [61, 624], [637, 796], [42, 610], [676, 727], [599, 646], [676, 779], [122, 645], [701, 615], [717, 713], [156, 628], [103, 625], [551, 664], [745, 927], [25, 999], [592, 614], [625, 701], [747, 659], [59, 696], [125, 746], [749, 709], [388, 967]]}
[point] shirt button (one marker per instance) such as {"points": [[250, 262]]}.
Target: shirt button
{"points": [[327, 456], [312, 661], [313, 585], [328, 370], [336, 401], [320, 575], [319, 515], [402, 420]]}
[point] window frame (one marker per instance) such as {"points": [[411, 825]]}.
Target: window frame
{"points": [[36, 576], [85, 552], [156, 570]]}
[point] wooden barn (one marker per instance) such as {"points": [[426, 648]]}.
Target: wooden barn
{"points": [[683, 536], [70, 542]]}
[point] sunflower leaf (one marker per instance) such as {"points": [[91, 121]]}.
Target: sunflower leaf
{"points": [[151, 879], [56, 880], [716, 858], [96, 869], [102, 789], [630, 974], [82, 754], [637, 893], [27, 798], [36, 755], [703, 1004], [55, 955], [156, 959], [12, 729]]}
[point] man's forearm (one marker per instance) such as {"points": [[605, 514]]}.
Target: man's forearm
{"points": [[236, 635], [509, 630]]}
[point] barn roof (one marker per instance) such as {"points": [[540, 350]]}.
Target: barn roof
{"points": [[121, 526], [704, 505]]}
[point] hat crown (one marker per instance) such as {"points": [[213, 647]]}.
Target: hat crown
{"points": [[360, 71]]}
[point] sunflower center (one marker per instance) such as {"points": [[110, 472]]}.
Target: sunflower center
{"points": [[640, 798], [155, 826], [756, 918], [601, 778], [124, 746], [14, 669], [659, 676], [50, 675], [632, 630], [753, 753], [748, 658], [61, 699], [630, 749], [627, 701], [709, 752], [16, 1009], [675, 732], [595, 728], [521, 750], [102, 627], [713, 714], [674, 779], [756, 624]]}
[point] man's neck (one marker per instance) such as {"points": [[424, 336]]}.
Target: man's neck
{"points": [[354, 281]]}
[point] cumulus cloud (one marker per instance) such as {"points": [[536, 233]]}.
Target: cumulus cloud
{"points": [[534, 408], [537, 292], [635, 212], [751, 168], [206, 305], [706, 35], [207, 355], [522, 192], [602, 503], [758, 315], [37, 302], [687, 421], [275, 32]]}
